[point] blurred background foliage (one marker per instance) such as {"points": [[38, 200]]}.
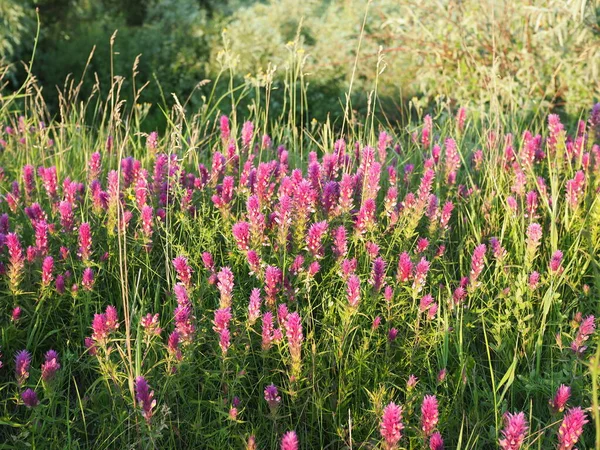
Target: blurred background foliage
{"points": [[519, 56]]}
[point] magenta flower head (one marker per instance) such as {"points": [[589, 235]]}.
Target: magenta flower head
{"points": [[558, 403], [429, 414], [222, 318], [513, 434], [365, 219], [353, 291], [314, 238], [184, 271], [47, 267], [289, 441], [571, 428], [436, 442], [254, 306], [30, 398], [272, 398], [534, 279], [22, 363], [151, 324], [477, 264], [16, 314], [247, 134], [224, 340], [173, 346], [225, 129], [87, 280], [50, 366], [225, 286], [85, 241], [534, 234], [273, 278], [405, 267], [555, 261], [378, 274], [392, 334], [420, 275], [391, 425], [267, 330], [145, 397], [294, 335], [586, 329], [112, 318], [241, 234]]}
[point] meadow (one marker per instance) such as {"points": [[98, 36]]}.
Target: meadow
{"points": [[251, 277]]}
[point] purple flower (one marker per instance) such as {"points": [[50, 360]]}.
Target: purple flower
{"points": [[22, 363], [30, 398], [272, 398], [225, 286], [145, 397]]}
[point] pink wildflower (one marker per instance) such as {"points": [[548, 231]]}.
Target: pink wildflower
{"points": [[289, 441], [22, 363], [561, 398], [429, 414], [85, 241], [254, 306], [391, 425], [586, 329], [405, 267], [184, 271], [50, 366], [225, 286], [272, 398], [477, 264], [353, 291], [145, 397], [571, 428], [30, 398], [436, 442], [515, 429]]}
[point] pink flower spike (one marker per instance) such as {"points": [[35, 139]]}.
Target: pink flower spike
{"points": [[391, 425], [561, 398], [184, 271], [145, 397], [289, 441], [353, 291], [429, 414], [22, 363], [515, 429], [50, 366], [571, 428], [436, 442]]}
